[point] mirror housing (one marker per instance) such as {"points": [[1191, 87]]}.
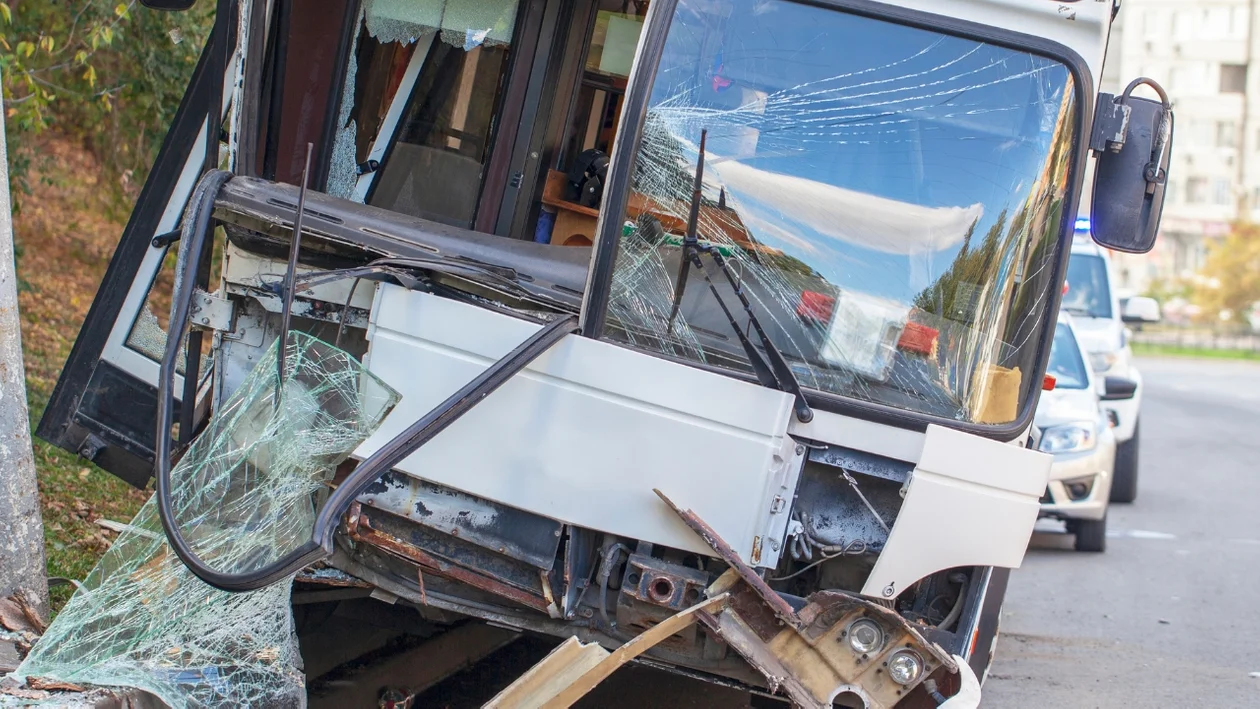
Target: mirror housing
{"points": [[1139, 309], [1132, 141], [1118, 389], [169, 5]]}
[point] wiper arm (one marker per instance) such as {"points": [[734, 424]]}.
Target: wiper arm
{"points": [[775, 375]]}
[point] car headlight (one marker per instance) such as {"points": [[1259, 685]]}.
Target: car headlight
{"points": [[1069, 438], [1103, 361], [905, 667], [865, 636]]}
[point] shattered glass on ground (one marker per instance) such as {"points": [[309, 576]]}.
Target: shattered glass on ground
{"points": [[245, 493], [890, 198]]}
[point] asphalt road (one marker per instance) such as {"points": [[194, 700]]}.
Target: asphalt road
{"points": [[1168, 616]]}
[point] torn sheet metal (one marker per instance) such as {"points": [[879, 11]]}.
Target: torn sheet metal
{"points": [[360, 528], [807, 653], [243, 494], [506, 530]]}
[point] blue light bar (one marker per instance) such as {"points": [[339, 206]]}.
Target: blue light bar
{"points": [[1082, 223]]}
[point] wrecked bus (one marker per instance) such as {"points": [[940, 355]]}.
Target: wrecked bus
{"points": [[597, 310]]}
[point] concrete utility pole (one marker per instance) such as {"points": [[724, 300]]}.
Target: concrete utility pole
{"points": [[21, 527]]}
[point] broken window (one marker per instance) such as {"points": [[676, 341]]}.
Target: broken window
{"points": [[420, 108], [889, 198]]}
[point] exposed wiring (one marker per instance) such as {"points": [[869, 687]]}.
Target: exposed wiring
{"points": [[606, 567], [961, 579], [853, 483], [853, 548]]}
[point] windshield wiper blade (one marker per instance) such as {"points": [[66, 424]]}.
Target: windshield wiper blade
{"points": [[689, 237], [776, 374]]}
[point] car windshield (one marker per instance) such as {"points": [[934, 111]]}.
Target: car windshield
{"points": [[890, 197], [1087, 292], [1066, 365]]}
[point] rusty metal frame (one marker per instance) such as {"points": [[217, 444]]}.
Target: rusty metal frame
{"points": [[805, 654]]}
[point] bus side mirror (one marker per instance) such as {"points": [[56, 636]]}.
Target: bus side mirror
{"points": [[1132, 139], [168, 5]]}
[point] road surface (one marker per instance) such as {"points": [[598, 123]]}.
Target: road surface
{"points": [[1167, 617]]}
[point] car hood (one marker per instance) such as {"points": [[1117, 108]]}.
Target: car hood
{"points": [[1099, 334], [1066, 405]]}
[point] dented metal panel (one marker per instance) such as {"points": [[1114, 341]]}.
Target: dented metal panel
{"points": [[511, 532], [586, 432]]}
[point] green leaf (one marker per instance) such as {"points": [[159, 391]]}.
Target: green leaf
{"points": [[25, 48], [6, 12], [121, 10], [81, 56], [107, 33]]}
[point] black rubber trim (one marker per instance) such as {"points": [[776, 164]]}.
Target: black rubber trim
{"points": [[630, 135]]}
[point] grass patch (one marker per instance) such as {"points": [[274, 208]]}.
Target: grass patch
{"points": [[65, 236], [1141, 348]]}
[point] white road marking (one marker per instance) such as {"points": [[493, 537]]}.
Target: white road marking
{"points": [[1140, 534]]}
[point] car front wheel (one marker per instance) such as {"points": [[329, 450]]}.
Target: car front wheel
{"points": [[1124, 480], [1091, 534]]}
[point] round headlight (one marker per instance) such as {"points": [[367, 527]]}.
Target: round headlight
{"points": [[865, 636], [904, 667]]}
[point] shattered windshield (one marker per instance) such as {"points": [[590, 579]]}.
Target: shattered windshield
{"points": [[889, 197]]}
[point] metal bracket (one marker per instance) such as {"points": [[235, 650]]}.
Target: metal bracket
{"points": [[210, 312], [807, 654], [1111, 124]]}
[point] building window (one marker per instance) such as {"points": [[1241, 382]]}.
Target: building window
{"points": [[1220, 191], [1233, 78], [1196, 190], [1226, 134], [1238, 21]]}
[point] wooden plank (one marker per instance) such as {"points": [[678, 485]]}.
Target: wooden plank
{"points": [[573, 669]]}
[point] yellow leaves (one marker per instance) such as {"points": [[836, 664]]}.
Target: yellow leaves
{"points": [[121, 10], [81, 56], [46, 43], [25, 48], [6, 13], [90, 76]]}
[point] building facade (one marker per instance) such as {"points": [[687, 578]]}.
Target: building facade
{"points": [[1199, 51]]}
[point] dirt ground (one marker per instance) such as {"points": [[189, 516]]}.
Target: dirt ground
{"points": [[64, 237]]}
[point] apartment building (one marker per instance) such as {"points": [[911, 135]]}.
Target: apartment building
{"points": [[1199, 50]]}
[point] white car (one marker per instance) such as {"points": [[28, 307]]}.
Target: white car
{"points": [[1099, 321], [1072, 424]]}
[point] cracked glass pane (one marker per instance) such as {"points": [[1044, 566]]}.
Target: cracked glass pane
{"points": [[245, 494], [889, 199]]}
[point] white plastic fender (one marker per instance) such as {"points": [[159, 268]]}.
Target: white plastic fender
{"points": [[970, 501], [968, 695]]}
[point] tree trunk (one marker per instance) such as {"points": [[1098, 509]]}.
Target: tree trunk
{"points": [[21, 528]]}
